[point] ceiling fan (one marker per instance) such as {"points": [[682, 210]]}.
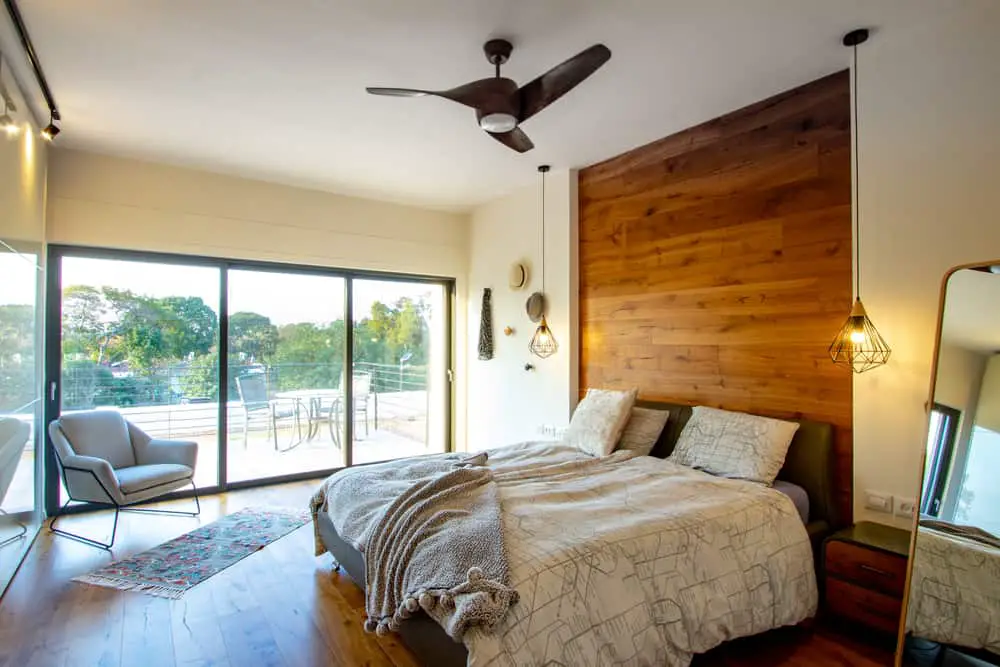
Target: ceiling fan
{"points": [[501, 106]]}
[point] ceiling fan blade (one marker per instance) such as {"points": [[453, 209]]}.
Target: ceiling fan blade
{"points": [[399, 92], [515, 139], [484, 93], [549, 87]]}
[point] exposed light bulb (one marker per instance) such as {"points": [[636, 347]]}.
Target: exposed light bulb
{"points": [[50, 132], [8, 125], [858, 337]]}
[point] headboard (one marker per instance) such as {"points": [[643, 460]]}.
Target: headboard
{"points": [[809, 462]]}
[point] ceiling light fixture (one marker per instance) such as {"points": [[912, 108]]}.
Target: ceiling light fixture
{"points": [[7, 124], [51, 130], [858, 345], [543, 343]]}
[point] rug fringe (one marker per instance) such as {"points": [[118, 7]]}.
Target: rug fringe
{"points": [[126, 585]]}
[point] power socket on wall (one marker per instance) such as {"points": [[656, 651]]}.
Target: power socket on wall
{"points": [[905, 507], [878, 501]]}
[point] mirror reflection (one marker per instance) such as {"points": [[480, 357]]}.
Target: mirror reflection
{"points": [[953, 616], [19, 401]]}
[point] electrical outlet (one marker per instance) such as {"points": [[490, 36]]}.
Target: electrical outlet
{"points": [[878, 501], [905, 507]]}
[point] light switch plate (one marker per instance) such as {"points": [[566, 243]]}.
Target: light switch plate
{"points": [[878, 501], [904, 507]]}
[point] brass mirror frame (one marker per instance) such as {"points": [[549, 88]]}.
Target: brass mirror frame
{"points": [[901, 633]]}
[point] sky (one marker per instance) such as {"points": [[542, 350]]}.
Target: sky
{"points": [[283, 297]]}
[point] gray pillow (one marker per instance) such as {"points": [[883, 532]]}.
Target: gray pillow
{"points": [[599, 419], [734, 444], [643, 430]]}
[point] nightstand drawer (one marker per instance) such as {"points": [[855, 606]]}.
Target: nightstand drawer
{"points": [[865, 606], [866, 567]]}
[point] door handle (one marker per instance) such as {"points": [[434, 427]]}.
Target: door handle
{"points": [[52, 391]]}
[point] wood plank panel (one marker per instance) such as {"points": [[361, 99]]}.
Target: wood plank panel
{"points": [[715, 264]]}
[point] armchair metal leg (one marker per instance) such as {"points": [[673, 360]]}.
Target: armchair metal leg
{"points": [[80, 538], [154, 510], [14, 538]]}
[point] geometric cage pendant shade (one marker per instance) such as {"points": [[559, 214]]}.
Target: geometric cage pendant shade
{"points": [[543, 343], [858, 345]]}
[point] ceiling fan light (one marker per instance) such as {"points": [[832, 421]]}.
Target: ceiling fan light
{"points": [[498, 122]]}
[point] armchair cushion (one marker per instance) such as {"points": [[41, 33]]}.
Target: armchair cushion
{"points": [[155, 477], [101, 434], [91, 479], [149, 451]]}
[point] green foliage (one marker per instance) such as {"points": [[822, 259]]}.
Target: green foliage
{"points": [[252, 338], [153, 339], [17, 356], [309, 356], [201, 378]]}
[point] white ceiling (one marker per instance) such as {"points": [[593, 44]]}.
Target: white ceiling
{"points": [[972, 311], [275, 90]]}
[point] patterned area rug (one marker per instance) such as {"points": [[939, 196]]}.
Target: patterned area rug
{"points": [[170, 569]]}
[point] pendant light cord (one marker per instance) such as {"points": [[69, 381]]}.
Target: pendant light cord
{"points": [[543, 232], [857, 186]]}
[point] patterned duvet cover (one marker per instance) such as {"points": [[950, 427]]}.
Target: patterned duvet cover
{"points": [[633, 560]]}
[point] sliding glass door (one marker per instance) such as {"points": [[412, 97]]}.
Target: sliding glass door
{"points": [[142, 338], [285, 361], [250, 360], [400, 369]]}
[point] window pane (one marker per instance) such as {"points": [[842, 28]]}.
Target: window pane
{"points": [[979, 499], [400, 369], [286, 359], [141, 337]]}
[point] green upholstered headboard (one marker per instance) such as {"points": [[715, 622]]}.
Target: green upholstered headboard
{"points": [[809, 462]]}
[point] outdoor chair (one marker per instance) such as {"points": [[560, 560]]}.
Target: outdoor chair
{"points": [[362, 386], [106, 460], [14, 435], [255, 402]]}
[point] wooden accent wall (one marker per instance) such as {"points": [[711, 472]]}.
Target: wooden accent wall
{"points": [[715, 264]]}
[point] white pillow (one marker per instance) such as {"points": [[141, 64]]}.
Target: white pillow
{"points": [[734, 444], [599, 419], [643, 430]]}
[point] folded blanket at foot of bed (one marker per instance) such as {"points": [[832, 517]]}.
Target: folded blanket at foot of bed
{"points": [[431, 533]]}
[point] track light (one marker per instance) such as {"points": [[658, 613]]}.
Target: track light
{"points": [[51, 130]]}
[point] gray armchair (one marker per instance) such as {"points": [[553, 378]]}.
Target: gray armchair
{"points": [[107, 460], [14, 435]]}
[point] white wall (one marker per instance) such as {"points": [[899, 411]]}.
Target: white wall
{"points": [[506, 403], [959, 376], [23, 164], [97, 200], [930, 155], [988, 414]]}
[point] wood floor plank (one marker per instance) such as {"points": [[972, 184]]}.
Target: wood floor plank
{"points": [[279, 606]]}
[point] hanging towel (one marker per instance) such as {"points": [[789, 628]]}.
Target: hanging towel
{"points": [[486, 327]]}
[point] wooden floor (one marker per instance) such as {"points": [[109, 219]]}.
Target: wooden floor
{"points": [[280, 606]]}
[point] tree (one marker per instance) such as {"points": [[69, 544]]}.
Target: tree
{"points": [[310, 355], [85, 322], [252, 337], [17, 356], [190, 327]]}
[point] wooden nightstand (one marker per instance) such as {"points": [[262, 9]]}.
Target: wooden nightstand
{"points": [[864, 574]]}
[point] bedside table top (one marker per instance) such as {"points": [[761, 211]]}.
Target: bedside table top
{"points": [[876, 536]]}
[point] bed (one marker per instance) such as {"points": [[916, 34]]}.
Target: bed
{"points": [[760, 532], [955, 591]]}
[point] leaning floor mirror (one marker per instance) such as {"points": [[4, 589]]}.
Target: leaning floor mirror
{"points": [[952, 616]]}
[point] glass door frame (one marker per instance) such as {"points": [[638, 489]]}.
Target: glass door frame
{"points": [[53, 354]]}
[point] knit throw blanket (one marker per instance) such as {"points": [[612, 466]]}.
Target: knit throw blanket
{"points": [[431, 534]]}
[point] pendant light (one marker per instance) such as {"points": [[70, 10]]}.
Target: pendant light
{"points": [[858, 344], [543, 343]]}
